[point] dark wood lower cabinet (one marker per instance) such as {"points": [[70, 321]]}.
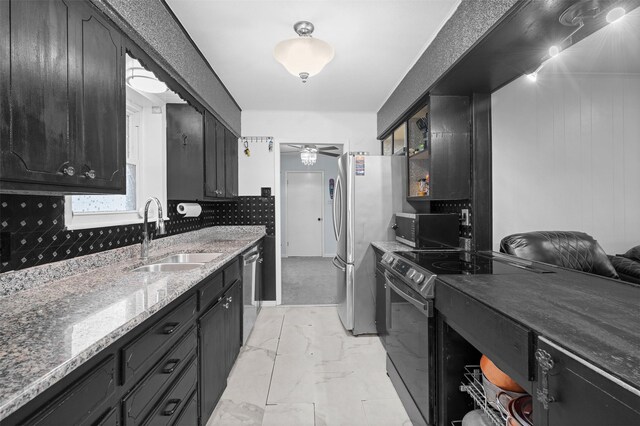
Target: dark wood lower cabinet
{"points": [[169, 370], [578, 394], [220, 339]]}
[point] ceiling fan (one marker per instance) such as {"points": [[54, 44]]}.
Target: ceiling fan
{"points": [[314, 149]]}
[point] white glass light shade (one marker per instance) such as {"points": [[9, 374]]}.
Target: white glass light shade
{"points": [[144, 80], [303, 55]]}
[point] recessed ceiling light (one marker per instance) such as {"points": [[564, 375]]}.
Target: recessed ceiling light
{"points": [[533, 77], [554, 51]]}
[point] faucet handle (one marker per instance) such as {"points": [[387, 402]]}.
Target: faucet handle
{"points": [[160, 228]]}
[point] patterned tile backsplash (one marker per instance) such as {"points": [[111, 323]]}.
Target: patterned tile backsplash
{"points": [[32, 230], [455, 206]]}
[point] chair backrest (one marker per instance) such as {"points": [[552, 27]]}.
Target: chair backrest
{"points": [[569, 249]]}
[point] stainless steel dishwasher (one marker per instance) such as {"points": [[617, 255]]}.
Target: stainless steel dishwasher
{"points": [[252, 288]]}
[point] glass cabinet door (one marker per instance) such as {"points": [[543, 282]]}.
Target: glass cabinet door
{"points": [[419, 154], [387, 146], [399, 139]]}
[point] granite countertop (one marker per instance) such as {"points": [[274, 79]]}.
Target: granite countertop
{"points": [[387, 246], [56, 317], [595, 318]]}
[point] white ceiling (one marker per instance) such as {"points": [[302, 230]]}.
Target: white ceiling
{"points": [[376, 42]]}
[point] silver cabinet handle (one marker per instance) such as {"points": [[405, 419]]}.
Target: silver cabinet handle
{"points": [[545, 361], [229, 299], [226, 305], [91, 174], [69, 171]]}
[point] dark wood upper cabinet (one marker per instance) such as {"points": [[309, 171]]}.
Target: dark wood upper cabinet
{"points": [[101, 101], [185, 149], [439, 150], [231, 155], [210, 157], [220, 160], [61, 98]]}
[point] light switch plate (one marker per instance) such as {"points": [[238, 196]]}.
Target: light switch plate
{"points": [[465, 217]]}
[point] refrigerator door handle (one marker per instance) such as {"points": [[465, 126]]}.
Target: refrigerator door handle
{"points": [[336, 263], [337, 209]]}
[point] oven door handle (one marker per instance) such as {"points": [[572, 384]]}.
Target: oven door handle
{"points": [[415, 302]]}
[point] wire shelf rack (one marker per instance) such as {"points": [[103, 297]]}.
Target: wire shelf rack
{"points": [[472, 384]]}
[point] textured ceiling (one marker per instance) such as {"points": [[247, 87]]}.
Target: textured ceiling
{"points": [[376, 42]]}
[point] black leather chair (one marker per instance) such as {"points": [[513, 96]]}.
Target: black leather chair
{"points": [[569, 249], [628, 265]]}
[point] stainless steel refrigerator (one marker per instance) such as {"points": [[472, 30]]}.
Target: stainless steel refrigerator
{"points": [[368, 191]]}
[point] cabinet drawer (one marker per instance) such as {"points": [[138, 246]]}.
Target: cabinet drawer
{"points": [[232, 273], [210, 291], [139, 355], [505, 342], [85, 402], [167, 411], [138, 403], [189, 414]]}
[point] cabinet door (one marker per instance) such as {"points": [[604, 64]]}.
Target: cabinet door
{"points": [[231, 147], [210, 158], [185, 166], [581, 395], [100, 101], [381, 317], [234, 321], [213, 357], [221, 160], [36, 122]]}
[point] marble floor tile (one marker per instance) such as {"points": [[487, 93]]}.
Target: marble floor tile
{"points": [[385, 412], [301, 414], [340, 412], [300, 366]]}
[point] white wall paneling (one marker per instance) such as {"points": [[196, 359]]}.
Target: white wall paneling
{"points": [[566, 156]]}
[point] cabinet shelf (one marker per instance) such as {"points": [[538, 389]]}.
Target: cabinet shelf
{"points": [[472, 384], [420, 155]]}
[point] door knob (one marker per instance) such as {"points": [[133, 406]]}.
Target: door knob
{"points": [[319, 219]]}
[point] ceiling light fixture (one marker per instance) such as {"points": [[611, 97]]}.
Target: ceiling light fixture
{"points": [[144, 80], [308, 156], [554, 51], [304, 56], [615, 14]]}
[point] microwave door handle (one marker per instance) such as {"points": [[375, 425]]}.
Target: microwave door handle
{"points": [[415, 302]]}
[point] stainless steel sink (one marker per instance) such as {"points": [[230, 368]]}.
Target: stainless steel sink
{"points": [[168, 267], [191, 258]]}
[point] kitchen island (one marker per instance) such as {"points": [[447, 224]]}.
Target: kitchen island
{"points": [[57, 317]]}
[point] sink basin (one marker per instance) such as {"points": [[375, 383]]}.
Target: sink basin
{"points": [[191, 258], [168, 267]]}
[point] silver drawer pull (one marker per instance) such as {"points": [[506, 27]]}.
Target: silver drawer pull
{"points": [[69, 171]]}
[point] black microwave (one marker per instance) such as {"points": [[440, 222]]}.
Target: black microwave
{"points": [[424, 230]]}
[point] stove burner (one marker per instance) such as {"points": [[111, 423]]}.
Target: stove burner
{"points": [[456, 266]]}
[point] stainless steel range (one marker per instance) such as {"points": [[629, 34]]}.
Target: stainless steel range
{"points": [[409, 332]]}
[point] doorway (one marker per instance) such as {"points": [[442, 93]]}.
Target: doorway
{"points": [[304, 213]]}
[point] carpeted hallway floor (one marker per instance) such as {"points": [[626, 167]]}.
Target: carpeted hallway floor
{"points": [[308, 281]]}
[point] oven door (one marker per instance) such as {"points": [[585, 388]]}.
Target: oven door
{"points": [[410, 342]]}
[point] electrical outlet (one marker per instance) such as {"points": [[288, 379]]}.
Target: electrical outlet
{"points": [[465, 217]]}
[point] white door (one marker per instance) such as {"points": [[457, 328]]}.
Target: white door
{"points": [[304, 213]]}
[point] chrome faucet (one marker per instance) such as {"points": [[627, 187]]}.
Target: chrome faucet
{"points": [[160, 230]]}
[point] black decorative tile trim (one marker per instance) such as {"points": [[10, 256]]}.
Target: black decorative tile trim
{"points": [[455, 206], [32, 230]]}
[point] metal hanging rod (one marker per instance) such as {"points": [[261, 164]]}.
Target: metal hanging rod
{"points": [[246, 140]]}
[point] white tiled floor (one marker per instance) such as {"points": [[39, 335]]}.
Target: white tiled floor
{"points": [[300, 367]]}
